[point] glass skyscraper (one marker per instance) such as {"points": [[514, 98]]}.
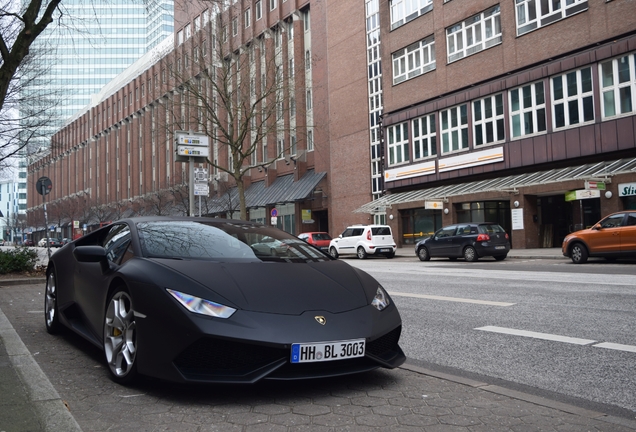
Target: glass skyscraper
{"points": [[94, 41]]}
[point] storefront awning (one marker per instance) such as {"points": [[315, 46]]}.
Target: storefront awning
{"points": [[283, 190], [598, 170]]}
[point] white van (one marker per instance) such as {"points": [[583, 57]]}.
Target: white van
{"points": [[364, 240]]}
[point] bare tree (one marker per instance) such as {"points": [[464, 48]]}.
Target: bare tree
{"points": [[240, 98]]}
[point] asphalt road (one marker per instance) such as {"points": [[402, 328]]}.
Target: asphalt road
{"points": [[549, 326]]}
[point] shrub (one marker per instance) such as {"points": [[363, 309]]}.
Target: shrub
{"points": [[19, 259]]}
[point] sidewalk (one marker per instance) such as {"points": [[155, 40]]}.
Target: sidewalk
{"points": [[542, 253]]}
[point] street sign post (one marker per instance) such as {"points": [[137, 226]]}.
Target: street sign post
{"points": [[44, 186]]}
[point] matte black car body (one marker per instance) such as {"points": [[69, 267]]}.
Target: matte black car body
{"points": [[278, 301], [470, 241]]}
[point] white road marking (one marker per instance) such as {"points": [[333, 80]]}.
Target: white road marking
{"points": [[615, 346], [452, 299], [536, 335]]}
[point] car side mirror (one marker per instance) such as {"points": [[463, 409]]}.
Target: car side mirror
{"points": [[340, 236], [92, 254], [597, 226]]}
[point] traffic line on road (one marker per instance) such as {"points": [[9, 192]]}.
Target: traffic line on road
{"points": [[615, 346], [558, 338], [451, 299], [536, 335]]}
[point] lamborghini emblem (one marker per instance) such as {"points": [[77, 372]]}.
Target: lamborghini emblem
{"points": [[321, 320]]}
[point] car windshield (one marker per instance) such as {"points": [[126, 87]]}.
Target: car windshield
{"points": [[221, 241]]}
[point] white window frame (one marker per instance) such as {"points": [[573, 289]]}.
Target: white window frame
{"points": [[188, 31], [613, 91], [307, 20], [247, 17], [414, 60], [403, 11], [583, 97], [490, 119], [477, 33], [531, 116], [258, 9], [310, 104], [310, 140], [273, 4], [454, 137], [180, 37], [530, 16], [280, 148], [197, 23], [234, 26], [398, 144], [424, 130]]}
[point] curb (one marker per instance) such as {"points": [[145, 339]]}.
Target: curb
{"points": [[25, 281]]}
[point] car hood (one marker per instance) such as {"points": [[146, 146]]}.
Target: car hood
{"points": [[281, 288]]}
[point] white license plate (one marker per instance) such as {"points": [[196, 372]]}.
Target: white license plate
{"points": [[500, 247], [385, 250], [327, 351]]}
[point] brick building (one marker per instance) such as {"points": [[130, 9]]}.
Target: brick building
{"points": [[414, 113]]}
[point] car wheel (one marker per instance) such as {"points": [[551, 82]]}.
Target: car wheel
{"points": [[578, 253], [333, 252], [120, 337], [51, 312], [362, 254], [422, 254], [470, 254], [501, 257]]}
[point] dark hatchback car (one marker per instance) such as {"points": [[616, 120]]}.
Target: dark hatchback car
{"points": [[468, 240]]}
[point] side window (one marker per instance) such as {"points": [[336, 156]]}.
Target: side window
{"points": [[357, 232], [117, 244], [347, 232], [631, 220], [463, 230], [446, 232], [613, 221]]}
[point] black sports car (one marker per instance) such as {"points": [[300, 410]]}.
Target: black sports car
{"points": [[189, 300]]}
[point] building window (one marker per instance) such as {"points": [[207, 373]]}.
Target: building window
{"points": [[527, 110], [454, 128], [247, 16], [188, 31], [414, 60], [280, 148], [180, 37], [273, 4], [224, 33], [475, 34], [197, 23], [572, 100], [206, 17], [424, 137], [398, 143], [618, 85], [488, 120], [403, 11], [234, 26], [306, 20], [532, 14], [307, 59], [258, 10], [309, 103], [310, 140], [292, 107]]}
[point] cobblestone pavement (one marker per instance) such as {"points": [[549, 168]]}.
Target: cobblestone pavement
{"points": [[405, 399]]}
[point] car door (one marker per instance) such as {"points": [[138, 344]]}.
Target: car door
{"points": [[442, 242], [628, 234], [607, 237], [342, 240]]}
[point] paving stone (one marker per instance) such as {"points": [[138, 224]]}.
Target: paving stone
{"points": [[310, 409]]}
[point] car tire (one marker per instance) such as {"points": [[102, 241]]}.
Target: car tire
{"points": [[51, 311], [422, 254], [470, 254], [120, 337], [500, 257], [333, 252], [362, 254], [578, 253]]}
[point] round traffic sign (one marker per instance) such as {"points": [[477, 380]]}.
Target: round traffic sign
{"points": [[274, 212], [44, 185]]}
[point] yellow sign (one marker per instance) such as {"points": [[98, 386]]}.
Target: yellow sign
{"points": [[306, 214]]}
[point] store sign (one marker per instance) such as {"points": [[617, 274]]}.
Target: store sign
{"points": [[433, 205], [472, 159], [306, 216], [589, 184], [582, 194], [416, 170], [626, 189]]}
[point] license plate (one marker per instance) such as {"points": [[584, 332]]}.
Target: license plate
{"points": [[500, 247], [385, 250], [327, 351]]}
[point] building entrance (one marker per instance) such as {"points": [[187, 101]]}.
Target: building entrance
{"points": [[419, 223]]}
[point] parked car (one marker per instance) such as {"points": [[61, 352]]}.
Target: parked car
{"points": [[468, 240], [189, 300], [66, 240], [29, 242], [612, 237], [320, 240], [53, 242], [364, 240]]}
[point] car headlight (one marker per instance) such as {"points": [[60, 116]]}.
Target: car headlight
{"points": [[381, 299], [202, 306]]}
